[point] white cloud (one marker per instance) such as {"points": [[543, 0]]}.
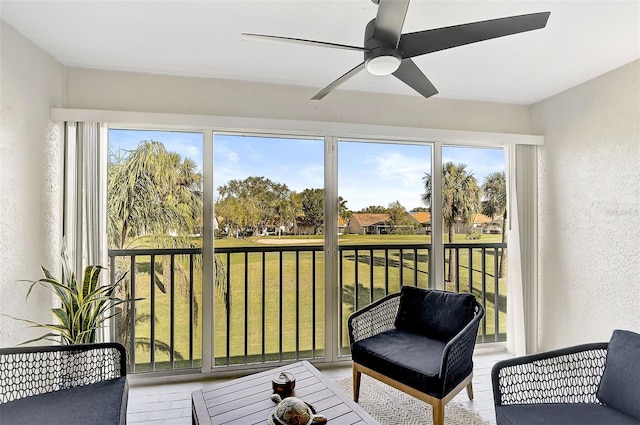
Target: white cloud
{"points": [[224, 153], [310, 177], [396, 166]]}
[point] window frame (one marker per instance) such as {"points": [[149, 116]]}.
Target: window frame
{"points": [[331, 133]]}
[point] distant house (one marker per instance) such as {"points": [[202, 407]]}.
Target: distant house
{"points": [[303, 227], [424, 220], [479, 223], [367, 224]]}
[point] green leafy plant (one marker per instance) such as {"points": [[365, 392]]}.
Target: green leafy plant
{"points": [[84, 304]]}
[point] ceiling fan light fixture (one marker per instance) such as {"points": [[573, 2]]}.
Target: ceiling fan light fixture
{"points": [[383, 65]]}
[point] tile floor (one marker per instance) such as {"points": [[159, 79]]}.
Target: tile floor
{"points": [[168, 404]]}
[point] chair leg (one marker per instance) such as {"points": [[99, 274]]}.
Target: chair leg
{"points": [[470, 391], [438, 413], [356, 383]]}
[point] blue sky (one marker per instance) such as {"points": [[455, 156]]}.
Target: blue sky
{"points": [[368, 173]]}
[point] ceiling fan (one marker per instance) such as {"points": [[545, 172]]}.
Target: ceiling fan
{"points": [[388, 51]]}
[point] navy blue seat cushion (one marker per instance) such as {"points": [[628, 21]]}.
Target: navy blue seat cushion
{"points": [[406, 357], [103, 403], [561, 414], [437, 314], [620, 384]]}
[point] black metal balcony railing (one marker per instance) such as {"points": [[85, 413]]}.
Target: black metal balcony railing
{"points": [[271, 306]]}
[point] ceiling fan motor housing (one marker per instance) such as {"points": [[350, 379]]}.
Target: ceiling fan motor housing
{"points": [[379, 59]]}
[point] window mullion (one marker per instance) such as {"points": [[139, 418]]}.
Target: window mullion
{"points": [[208, 277], [332, 311], [437, 240]]}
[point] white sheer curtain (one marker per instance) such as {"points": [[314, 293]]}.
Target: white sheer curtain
{"points": [[523, 252], [85, 194]]}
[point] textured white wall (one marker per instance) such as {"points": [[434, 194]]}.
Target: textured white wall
{"points": [[589, 215], [30, 180]]}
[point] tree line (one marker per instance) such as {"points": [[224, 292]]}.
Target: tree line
{"points": [[154, 193]]}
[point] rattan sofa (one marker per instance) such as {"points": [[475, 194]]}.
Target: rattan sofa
{"points": [[69, 384], [586, 384]]}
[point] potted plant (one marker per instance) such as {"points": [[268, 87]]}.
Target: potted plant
{"points": [[84, 304]]}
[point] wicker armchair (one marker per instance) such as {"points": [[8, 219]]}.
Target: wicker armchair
{"points": [[418, 341], [64, 384], [569, 386]]}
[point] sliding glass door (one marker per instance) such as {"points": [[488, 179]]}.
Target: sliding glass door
{"points": [[154, 233], [474, 212], [384, 223], [268, 249]]}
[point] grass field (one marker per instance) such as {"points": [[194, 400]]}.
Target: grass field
{"points": [[259, 327]]}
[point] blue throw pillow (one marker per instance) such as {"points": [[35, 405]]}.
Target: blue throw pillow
{"points": [[437, 314], [620, 384]]}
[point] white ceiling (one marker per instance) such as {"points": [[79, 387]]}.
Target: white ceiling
{"points": [[583, 39]]}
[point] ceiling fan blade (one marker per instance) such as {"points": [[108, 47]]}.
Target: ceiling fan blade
{"points": [[423, 42], [389, 21], [278, 39], [410, 74], [325, 91]]}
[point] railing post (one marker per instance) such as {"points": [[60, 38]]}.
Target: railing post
{"points": [[246, 307], [496, 297], [264, 304], [228, 310], [371, 264], [132, 316], [152, 314], [172, 312], [191, 312]]}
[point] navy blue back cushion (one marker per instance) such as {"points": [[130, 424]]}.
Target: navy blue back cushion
{"points": [[620, 384], [437, 314]]}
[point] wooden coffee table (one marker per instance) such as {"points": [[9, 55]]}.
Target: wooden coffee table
{"points": [[247, 400]]}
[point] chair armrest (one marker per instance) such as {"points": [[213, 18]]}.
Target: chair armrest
{"points": [[28, 371], [457, 358], [567, 375], [374, 318]]}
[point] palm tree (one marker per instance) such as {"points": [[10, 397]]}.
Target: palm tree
{"points": [[460, 200], [494, 204], [153, 194], [139, 187]]}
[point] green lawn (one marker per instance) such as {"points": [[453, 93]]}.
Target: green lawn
{"points": [[273, 324]]}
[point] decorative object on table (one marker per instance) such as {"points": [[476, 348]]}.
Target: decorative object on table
{"points": [[84, 305], [389, 406], [283, 383], [293, 411]]}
